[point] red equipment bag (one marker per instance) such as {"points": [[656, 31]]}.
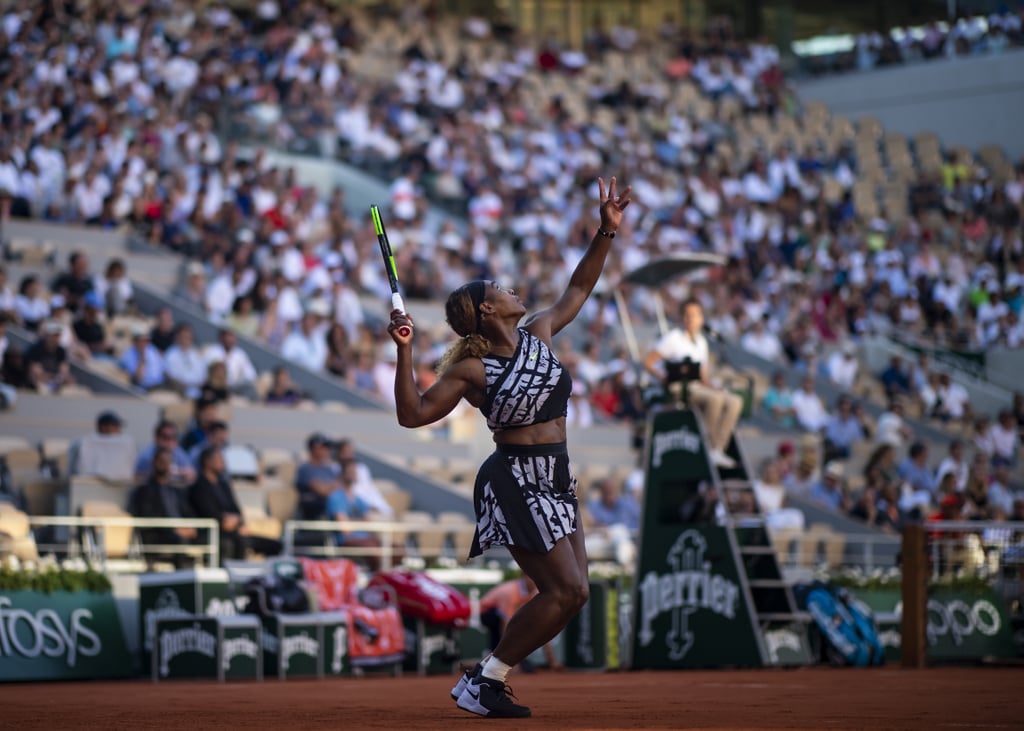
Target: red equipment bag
{"points": [[422, 597]]}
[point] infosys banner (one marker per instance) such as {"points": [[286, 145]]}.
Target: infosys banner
{"points": [[689, 610], [61, 636]]}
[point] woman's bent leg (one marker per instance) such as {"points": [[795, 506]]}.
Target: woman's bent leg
{"points": [[563, 586]]}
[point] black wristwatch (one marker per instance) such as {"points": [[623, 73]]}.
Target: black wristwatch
{"points": [[608, 234]]}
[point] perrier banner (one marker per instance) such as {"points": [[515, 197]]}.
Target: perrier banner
{"points": [[690, 610]]}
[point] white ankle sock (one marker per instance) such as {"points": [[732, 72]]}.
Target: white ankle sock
{"points": [[495, 669]]}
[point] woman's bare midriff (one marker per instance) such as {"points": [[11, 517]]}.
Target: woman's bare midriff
{"points": [[548, 432]]}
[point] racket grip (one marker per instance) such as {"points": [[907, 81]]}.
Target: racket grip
{"points": [[398, 304]]}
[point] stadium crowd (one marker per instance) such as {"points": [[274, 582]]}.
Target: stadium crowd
{"points": [[112, 117], [971, 34]]}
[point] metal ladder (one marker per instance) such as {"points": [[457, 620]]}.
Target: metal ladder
{"points": [[769, 595]]}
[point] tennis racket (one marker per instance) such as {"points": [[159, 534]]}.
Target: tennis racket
{"points": [[389, 266]]}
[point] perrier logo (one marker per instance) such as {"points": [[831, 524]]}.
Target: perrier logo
{"points": [[687, 588], [180, 641]]}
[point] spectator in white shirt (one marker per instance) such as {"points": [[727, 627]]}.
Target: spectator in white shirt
{"points": [[31, 306], [783, 172], [384, 373], [842, 366], [241, 374], [365, 487], [89, 194], [810, 411], [225, 288], [953, 403], [184, 365], [1005, 439], [762, 343], [954, 464], [306, 345], [891, 428], [114, 287]]}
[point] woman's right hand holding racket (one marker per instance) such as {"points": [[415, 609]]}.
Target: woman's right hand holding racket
{"points": [[401, 327]]}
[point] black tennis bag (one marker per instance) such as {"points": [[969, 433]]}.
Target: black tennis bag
{"points": [[270, 595]]}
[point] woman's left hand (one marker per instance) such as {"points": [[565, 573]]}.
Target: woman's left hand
{"points": [[612, 204]]}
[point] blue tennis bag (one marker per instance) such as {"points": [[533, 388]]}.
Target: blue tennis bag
{"points": [[848, 630]]}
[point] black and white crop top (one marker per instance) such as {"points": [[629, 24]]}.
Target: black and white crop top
{"points": [[531, 387]]}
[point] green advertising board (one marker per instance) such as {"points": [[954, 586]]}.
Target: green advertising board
{"points": [[241, 647], [293, 645], [207, 647], [961, 625], [337, 660], [61, 636], [206, 592], [592, 638], [185, 647], [690, 607]]}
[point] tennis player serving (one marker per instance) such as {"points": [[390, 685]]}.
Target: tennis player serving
{"points": [[525, 493]]}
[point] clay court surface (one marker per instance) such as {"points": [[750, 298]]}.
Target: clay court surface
{"points": [[807, 698]]}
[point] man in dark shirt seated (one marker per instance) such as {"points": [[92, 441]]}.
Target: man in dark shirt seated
{"points": [[89, 330], [75, 282], [46, 360], [159, 498], [895, 379], [211, 496]]}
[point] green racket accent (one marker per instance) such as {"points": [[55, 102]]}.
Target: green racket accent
{"points": [[377, 223]]}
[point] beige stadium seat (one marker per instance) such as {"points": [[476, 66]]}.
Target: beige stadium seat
{"points": [[399, 500], [8, 444], [178, 413], [264, 526], [462, 540], [109, 369], [426, 464], [282, 474], [163, 397], [85, 489], [24, 458], [75, 389], [16, 535], [385, 486], [41, 496], [263, 383], [252, 498], [430, 539], [783, 540], [282, 503], [273, 456], [115, 540], [451, 517], [832, 545]]}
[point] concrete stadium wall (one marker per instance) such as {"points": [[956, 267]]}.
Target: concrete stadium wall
{"points": [[966, 101], [1004, 366]]}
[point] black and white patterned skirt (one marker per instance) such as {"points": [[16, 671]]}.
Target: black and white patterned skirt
{"points": [[525, 496]]}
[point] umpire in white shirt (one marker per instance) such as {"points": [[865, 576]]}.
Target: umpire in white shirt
{"points": [[720, 407]]}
